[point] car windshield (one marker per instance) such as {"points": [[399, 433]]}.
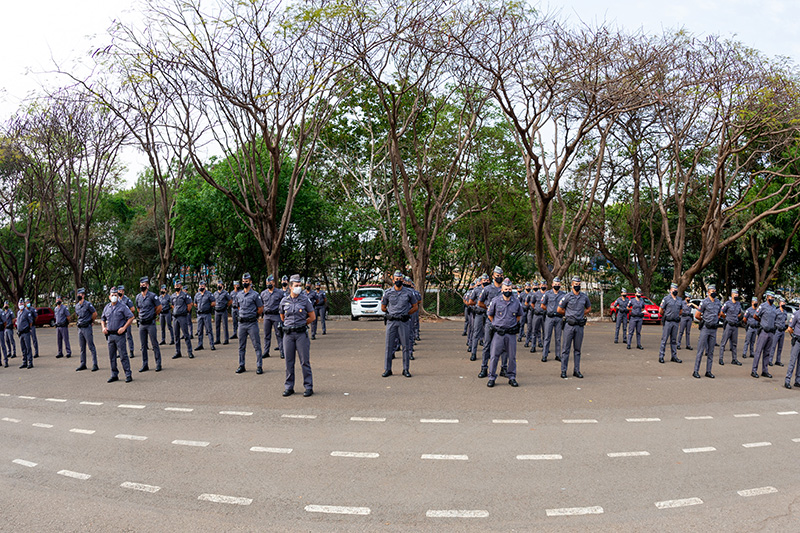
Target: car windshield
{"points": [[369, 293], [648, 301]]}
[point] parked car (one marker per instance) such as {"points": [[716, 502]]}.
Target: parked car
{"points": [[45, 315], [366, 302], [652, 314]]}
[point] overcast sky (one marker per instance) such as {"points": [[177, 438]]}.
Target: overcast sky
{"points": [[34, 31]]}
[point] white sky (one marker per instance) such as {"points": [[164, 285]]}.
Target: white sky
{"points": [[34, 31]]}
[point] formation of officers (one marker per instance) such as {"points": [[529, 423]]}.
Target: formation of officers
{"points": [[495, 319]]}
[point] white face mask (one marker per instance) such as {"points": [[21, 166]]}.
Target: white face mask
{"points": [[114, 299], [297, 290], [22, 306]]}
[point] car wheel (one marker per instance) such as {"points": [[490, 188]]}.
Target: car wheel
{"points": [[613, 316], [353, 317], [52, 323]]}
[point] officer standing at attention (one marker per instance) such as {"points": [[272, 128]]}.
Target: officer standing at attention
{"points": [[116, 320], [149, 307], [414, 316], [129, 304], [732, 314], [33, 337], [190, 322], [504, 314], [635, 307], [320, 310], [538, 315], [751, 333], [312, 295], [708, 314], [765, 316], [166, 316], [61, 313], [271, 298], [250, 308], [479, 320], [621, 320], [86, 315], [573, 307], [222, 300], [8, 338], [523, 300], [181, 308], [4, 351], [553, 322], [686, 322], [794, 368], [24, 324], [398, 303], [235, 309], [467, 310], [297, 312], [671, 311], [204, 301], [469, 298], [780, 331], [490, 292]]}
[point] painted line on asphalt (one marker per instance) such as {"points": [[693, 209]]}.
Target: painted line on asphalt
{"points": [[367, 419], [786, 413], [456, 513], [438, 420], [359, 455], [219, 498], [131, 406], [580, 421], [628, 454], [27, 397], [82, 431], [4, 395], [756, 444], [643, 420], [747, 415], [57, 400], [574, 511], [542, 457], [140, 487], [699, 417], [795, 440], [197, 443], [510, 421], [41, 425], [179, 409], [336, 509], [671, 504], [91, 403], [236, 413], [270, 450], [439, 457], [74, 475], [130, 437], [12, 420], [700, 450], [757, 492], [305, 417], [23, 462]]}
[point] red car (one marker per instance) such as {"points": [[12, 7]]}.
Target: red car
{"points": [[45, 315], [652, 314]]}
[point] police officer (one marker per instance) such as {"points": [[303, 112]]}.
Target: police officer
{"points": [[467, 311], [86, 316], [312, 295], [4, 349], [235, 309], [8, 338], [479, 320], [222, 300], [61, 317], [24, 325], [621, 318], [553, 323], [686, 322], [780, 331], [573, 307], [635, 306], [320, 310], [251, 306], [414, 327], [149, 306], [469, 303], [166, 316], [708, 313], [181, 317], [524, 295], [490, 292], [671, 310], [504, 313], [297, 312], [116, 320], [732, 314], [34, 339], [751, 333], [538, 315], [398, 303], [271, 298], [189, 322], [205, 304], [765, 316], [794, 368], [129, 304]]}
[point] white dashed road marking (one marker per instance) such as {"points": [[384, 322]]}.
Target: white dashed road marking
{"points": [[359, 455], [4, 395], [748, 415], [27, 397], [179, 409], [574, 511], [23, 462], [131, 406], [140, 487], [91, 403], [785, 413], [756, 444], [367, 419], [57, 400], [12, 420], [270, 450], [628, 454], [757, 492], [74, 475], [509, 421], [580, 421], [219, 498], [699, 450], [306, 417], [643, 420], [439, 420], [455, 513], [445, 457], [795, 440], [82, 431], [671, 504], [545, 457], [236, 413], [335, 509], [699, 417], [41, 425], [130, 437], [197, 443]]}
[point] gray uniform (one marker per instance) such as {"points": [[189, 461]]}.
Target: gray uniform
{"points": [[672, 309], [575, 306], [709, 315], [8, 335], [4, 351], [147, 303], [85, 310], [490, 292], [320, 308], [24, 326], [166, 318], [780, 333], [730, 311], [295, 338], [523, 300], [467, 318], [505, 316], [33, 337], [553, 323], [180, 321], [272, 319], [202, 301], [636, 308], [222, 298], [415, 319], [249, 302], [767, 313], [479, 320], [115, 316], [235, 311], [793, 372], [128, 333], [685, 324], [398, 303], [621, 304], [61, 313], [537, 315], [751, 333]]}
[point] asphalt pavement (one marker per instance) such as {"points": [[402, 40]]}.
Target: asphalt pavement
{"points": [[634, 446]]}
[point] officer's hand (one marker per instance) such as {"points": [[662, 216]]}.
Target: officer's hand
{"points": [[105, 331], [121, 330]]}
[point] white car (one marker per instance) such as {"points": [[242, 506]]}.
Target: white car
{"points": [[366, 302]]}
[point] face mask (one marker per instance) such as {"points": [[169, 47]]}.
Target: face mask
{"points": [[543, 288], [297, 290], [21, 307], [498, 279], [507, 294], [712, 294], [576, 288], [270, 286], [58, 302], [736, 299], [398, 283], [283, 284], [143, 288], [114, 299], [163, 292], [28, 304], [202, 289], [771, 300], [527, 290], [674, 293], [246, 284], [556, 287], [177, 289]]}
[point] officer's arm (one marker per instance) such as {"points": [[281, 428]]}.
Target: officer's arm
{"points": [[94, 316], [260, 310], [482, 304], [561, 310], [128, 323], [189, 306], [213, 303], [697, 314], [103, 322], [414, 308], [158, 309], [312, 316]]}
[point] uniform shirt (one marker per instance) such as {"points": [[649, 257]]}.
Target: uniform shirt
{"points": [[272, 300], [147, 303], [418, 296], [222, 298], [24, 319], [312, 295], [235, 298], [536, 301], [34, 314], [127, 301], [575, 305], [116, 316], [398, 302], [3, 320], [166, 303], [61, 313], [180, 303], [249, 302], [322, 298], [551, 299], [686, 310], [84, 309], [505, 313], [489, 293], [709, 311], [671, 307], [767, 314], [795, 323], [202, 300], [525, 300], [780, 320], [295, 311], [731, 311], [748, 317], [621, 303], [636, 307]]}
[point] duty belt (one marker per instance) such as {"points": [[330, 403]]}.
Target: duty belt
{"points": [[539, 312], [769, 330], [178, 315], [402, 318], [480, 311], [61, 324], [636, 316], [164, 313], [271, 312], [552, 315], [505, 331], [84, 325], [248, 320], [221, 311], [204, 312], [298, 329], [147, 322], [710, 325], [576, 322], [672, 319]]}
